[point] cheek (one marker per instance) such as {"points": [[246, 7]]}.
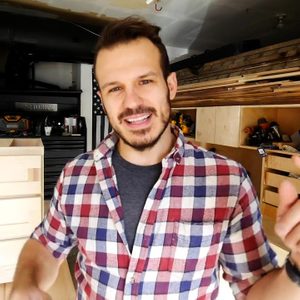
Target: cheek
{"points": [[111, 109]]}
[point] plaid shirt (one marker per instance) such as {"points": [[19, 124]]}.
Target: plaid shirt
{"points": [[201, 213]]}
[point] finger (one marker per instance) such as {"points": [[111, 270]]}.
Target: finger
{"points": [[287, 197], [292, 239], [288, 221]]}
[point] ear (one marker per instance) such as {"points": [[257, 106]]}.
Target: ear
{"points": [[172, 85]]}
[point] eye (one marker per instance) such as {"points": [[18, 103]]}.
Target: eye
{"points": [[114, 89], [145, 81]]}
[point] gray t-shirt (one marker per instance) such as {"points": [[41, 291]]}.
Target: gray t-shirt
{"points": [[134, 185]]}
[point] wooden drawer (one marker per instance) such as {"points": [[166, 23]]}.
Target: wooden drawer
{"points": [[271, 197], [20, 189], [281, 163], [20, 168], [21, 176], [274, 180], [18, 217], [9, 253]]}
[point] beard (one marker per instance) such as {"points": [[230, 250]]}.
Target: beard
{"points": [[144, 142], [142, 139]]}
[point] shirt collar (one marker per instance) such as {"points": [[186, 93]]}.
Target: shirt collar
{"points": [[107, 146]]}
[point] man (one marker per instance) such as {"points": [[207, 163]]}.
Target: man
{"points": [[153, 216]]}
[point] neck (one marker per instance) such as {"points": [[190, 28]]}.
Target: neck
{"points": [[150, 155]]}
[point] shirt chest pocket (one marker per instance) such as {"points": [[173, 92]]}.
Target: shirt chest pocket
{"points": [[188, 247]]}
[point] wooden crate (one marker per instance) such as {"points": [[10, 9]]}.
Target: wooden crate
{"points": [[21, 198]]}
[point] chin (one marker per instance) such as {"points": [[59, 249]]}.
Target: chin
{"points": [[141, 143], [142, 139]]}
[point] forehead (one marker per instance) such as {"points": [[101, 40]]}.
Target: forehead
{"points": [[126, 57]]}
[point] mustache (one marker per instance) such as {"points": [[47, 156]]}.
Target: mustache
{"points": [[138, 110]]}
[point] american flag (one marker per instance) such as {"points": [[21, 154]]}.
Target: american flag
{"points": [[101, 126]]}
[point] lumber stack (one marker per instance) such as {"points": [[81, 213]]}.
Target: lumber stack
{"points": [[275, 57], [280, 86]]}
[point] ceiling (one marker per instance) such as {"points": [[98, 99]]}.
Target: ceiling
{"points": [[187, 26]]}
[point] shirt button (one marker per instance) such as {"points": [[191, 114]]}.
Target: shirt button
{"points": [[132, 280], [177, 158]]}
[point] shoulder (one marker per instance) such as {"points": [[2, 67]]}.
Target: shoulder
{"points": [[80, 165]]}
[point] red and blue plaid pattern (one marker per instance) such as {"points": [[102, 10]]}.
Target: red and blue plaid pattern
{"points": [[201, 214]]}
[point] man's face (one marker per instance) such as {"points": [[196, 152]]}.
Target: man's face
{"points": [[134, 92]]}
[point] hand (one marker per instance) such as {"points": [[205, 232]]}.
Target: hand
{"points": [[287, 225], [30, 293]]}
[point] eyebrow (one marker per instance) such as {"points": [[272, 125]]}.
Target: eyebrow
{"points": [[151, 73], [112, 83]]}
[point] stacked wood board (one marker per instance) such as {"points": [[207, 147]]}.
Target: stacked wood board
{"points": [[279, 56], [280, 86], [21, 198]]}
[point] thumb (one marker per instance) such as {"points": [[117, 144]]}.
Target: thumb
{"points": [[296, 160]]}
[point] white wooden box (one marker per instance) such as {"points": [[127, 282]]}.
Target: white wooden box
{"points": [[21, 198]]}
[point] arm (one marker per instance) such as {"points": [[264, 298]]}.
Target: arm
{"points": [[277, 284], [36, 271]]}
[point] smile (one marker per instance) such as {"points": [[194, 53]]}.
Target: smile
{"points": [[138, 119]]}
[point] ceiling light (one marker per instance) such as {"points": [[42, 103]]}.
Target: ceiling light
{"points": [[149, 1]]}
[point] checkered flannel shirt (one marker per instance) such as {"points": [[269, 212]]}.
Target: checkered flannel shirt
{"points": [[201, 214]]}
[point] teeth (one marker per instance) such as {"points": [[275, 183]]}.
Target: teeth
{"points": [[138, 119]]}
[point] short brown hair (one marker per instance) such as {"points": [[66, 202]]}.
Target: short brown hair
{"points": [[129, 29]]}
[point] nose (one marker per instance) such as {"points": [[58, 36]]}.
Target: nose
{"points": [[132, 98]]}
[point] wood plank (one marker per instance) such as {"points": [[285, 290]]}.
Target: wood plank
{"points": [[209, 84], [273, 72], [256, 86], [286, 89], [291, 83], [247, 78]]}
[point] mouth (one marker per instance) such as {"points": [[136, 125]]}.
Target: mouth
{"points": [[140, 120]]}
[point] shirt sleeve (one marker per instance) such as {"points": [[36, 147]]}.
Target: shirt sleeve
{"points": [[54, 232], [246, 254]]}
